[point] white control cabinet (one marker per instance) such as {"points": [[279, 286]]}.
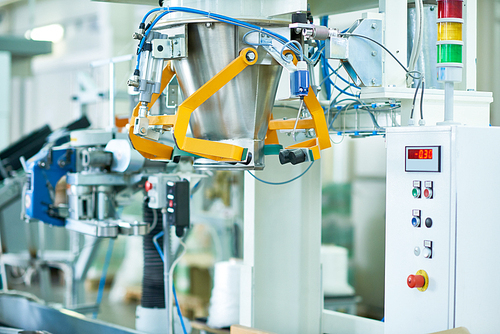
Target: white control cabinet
{"points": [[443, 229]]}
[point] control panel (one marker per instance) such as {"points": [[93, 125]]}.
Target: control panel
{"points": [[172, 195], [418, 231], [178, 205], [442, 229]]}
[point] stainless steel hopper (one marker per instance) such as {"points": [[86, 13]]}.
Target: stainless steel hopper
{"points": [[239, 112]]}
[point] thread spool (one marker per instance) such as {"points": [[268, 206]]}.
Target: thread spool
{"points": [[224, 309], [335, 265]]}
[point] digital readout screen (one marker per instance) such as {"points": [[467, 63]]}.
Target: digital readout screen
{"points": [[420, 154]]}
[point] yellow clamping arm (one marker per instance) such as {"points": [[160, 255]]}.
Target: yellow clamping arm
{"points": [[318, 123], [147, 148], [205, 148]]}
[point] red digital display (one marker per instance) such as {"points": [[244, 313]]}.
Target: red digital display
{"points": [[420, 154]]}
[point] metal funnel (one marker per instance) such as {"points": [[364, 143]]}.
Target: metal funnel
{"points": [[239, 112]]}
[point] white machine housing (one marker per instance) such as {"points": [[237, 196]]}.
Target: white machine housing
{"points": [[463, 241]]}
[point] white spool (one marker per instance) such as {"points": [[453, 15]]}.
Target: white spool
{"points": [[335, 264], [224, 309], [125, 158]]}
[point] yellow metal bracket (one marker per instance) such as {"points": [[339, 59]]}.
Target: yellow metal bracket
{"points": [[318, 123], [215, 150], [147, 148], [206, 148], [180, 122]]}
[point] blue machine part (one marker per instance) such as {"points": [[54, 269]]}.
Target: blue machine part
{"points": [[299, 80], [45, 169]]}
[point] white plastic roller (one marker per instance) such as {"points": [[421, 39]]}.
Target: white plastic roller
{"points": [[125, 158]]}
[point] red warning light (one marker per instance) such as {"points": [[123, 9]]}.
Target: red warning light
{"points": [[450, 9]]}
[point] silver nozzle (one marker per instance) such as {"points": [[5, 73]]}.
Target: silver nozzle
{"points": [[133, 82]]}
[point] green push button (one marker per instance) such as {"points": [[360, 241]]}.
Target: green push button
{"points": [[416, 192]]}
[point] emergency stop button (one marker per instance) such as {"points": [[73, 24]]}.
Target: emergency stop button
{"points": [[415, 281], [420, 280], [148, 186]]}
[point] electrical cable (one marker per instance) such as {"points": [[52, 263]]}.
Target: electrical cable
{"points": [[178, 309], [422, 100], [331, 82], [157, 246], [317, 55], [285, 106], [326, 76], [253, 44], [292, 42], [374, 120], [342, 78], [418, 40], [155, 221], [174, 264], [298, 51], [214, 16], [415, 99], [344, 108], [421, 36], [410, 73], [171, 275], [102, 281], [284, 182], [348, 99], [333, 101], [298, 116], [337, 143], [324, 61], [333, 119], [195, 188], [411, 64], [362, 106], [329, 75], [343, 91]]}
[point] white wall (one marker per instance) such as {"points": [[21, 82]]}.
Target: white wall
{"points": [[488, 49], [93, 31]]}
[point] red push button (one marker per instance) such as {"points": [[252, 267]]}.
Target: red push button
{"points": [[148, 186], [416, 281], [428, 193]]}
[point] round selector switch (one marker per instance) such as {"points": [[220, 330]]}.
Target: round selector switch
{"points": [[428, 222], [416, 251]]}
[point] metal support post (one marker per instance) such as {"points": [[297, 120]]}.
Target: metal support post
{"points": [[166, 254], [281, 276]]}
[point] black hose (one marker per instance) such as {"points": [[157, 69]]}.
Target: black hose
{"points": [[153, 283]]}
